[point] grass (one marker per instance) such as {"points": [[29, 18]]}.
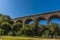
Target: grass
{"points": [[22, 38]]}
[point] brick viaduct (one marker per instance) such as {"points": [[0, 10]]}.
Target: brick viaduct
{"points": [[44, 16]]}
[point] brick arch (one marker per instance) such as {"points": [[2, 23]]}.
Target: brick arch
{"points": [[54, 16], [19, 21], [45, 16], [40, 18], [27, 21]]}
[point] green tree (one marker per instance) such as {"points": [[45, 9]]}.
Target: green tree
{"points": [[16, 27], [53, 29], [6, 18], [46, 34], [41, 30], [1, 32], [34, 27], [26, 30], [6, 27]]}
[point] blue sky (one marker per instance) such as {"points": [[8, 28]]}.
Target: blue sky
{"points": [[20, 8]]}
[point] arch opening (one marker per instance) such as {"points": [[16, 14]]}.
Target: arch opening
{"points": [[54, 16], [18, 21], [19, 24], [29, 21], [55, 19], [42, 21]]}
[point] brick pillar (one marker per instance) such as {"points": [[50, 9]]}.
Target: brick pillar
{"points": [[23, 23], [48, 22]]}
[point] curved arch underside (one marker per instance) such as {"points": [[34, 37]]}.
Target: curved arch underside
{"points": [[54, 16], [41, 18], [42, 22], [28, 21], [18, 21]]}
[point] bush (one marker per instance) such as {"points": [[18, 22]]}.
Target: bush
{"points": [[10, 33], [1, 32]]}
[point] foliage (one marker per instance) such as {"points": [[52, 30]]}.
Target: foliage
{"points": [[8, 27], [1, 32], [16, 27], [26, 30], [10, 33]]}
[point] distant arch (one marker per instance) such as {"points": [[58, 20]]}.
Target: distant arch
{"points": [[18, 21], [28, 21]]}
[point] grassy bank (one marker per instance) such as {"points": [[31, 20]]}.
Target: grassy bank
{"points": [[22, 38]]}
